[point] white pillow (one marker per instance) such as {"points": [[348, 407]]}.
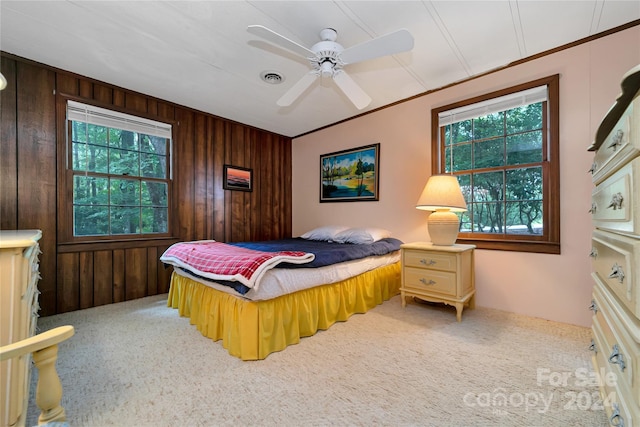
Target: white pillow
{"points": [[362, 235], [326, 233]]}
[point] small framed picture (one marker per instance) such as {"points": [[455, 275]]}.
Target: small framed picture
{"points": [[237, 178]]}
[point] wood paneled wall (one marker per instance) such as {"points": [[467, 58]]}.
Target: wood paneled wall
{"points": [[82, 275]]}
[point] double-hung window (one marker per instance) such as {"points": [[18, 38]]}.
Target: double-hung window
{"points": [[503, 148], [119, 173]]}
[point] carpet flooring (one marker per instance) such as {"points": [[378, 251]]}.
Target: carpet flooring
{"points": [[139, 364]]}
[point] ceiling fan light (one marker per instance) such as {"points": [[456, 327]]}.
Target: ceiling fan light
{"points": [[326, 69]]}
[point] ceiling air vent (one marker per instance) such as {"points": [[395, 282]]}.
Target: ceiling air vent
{"points": [[272, 77]]}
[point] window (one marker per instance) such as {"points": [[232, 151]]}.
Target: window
{"points": [[503, 148], [119, 171]]}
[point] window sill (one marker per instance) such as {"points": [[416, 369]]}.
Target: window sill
{"points": [[515, 246], [98, 245]]}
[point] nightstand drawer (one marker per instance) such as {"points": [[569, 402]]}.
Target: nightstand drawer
{"points": [[431, 260], [430, 280]]}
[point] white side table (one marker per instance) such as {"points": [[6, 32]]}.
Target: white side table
{"points": [[439, 274]]}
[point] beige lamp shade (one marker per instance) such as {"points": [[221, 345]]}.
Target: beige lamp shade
{"points": [[442, 196], [442, 191], [3, 82]]}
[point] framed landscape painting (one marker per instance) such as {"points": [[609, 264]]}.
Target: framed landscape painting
{"points": [[350, 175], [237, 178]]}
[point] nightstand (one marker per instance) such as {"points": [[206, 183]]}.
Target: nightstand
{"points": [[439, 274]]}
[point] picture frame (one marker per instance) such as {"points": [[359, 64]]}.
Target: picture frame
{"points": [[237, 178], [351, 175]]}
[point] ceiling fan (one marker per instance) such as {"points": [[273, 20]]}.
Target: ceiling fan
{"points": [[328, 58]]}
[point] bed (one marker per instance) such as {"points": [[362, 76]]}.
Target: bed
{"points": [[300, 288]]}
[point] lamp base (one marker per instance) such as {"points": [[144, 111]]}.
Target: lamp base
{"points": [[443, 227]]}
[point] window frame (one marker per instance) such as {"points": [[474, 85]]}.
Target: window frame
{"points": [[549, 241], [67, 173]]}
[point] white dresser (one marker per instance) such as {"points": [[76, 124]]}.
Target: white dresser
{"points": [[615, 254], [19, 276]]}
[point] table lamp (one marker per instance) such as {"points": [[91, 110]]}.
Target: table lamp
{"points": [[442, 196]]}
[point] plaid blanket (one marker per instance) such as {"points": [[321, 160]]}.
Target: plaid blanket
{"points": [[220, 261]]}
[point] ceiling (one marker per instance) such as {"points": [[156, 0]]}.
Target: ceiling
{"points": [[199, 54]]}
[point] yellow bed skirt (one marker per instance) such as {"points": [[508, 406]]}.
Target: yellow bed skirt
{"points": [[251, 330]]}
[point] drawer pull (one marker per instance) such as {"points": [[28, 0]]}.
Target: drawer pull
{"points": [[594, 167], [616, 201], [594, 307], [616, 140], [425, 262], [593, 209], [617, 358], [592, 346], [616, 419], [617, 272], [594, 253], [427, 282]]}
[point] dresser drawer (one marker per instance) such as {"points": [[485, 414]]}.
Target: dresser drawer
{"points": [[432, 281], [31, 281], [30, 268], [33, 310], [612, 205], [431, 260], [615, 262], [621, 145], [618, 352], [617, 401]]}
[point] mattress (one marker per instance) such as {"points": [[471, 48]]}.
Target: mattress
{"points": [[281, 281]]}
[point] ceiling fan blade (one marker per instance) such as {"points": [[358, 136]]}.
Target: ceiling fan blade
{"points": [[390, 44], [280, 40], [297, 89], [350, 88]]}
